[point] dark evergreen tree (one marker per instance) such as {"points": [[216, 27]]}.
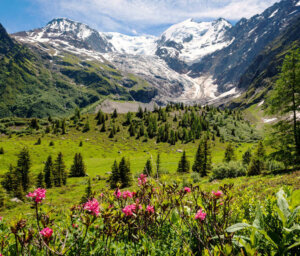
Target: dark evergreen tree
{"points": [[257, 164], [78, 168], [183, 165], [86, 126], [1, 151], [229, 153], [158, 162], [48, 172], [115, 114], [88, 193], [60, 174], [247, 157], [148, 167], [199, 159], [23, 168], [40, 183], [103, 128], [115, 176], [124, 172], [2, 197]]}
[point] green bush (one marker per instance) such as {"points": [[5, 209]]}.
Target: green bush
{"points": [[275, 166], [228, 170]]}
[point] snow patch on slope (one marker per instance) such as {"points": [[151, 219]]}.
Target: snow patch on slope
{"points": [[141, 45]]}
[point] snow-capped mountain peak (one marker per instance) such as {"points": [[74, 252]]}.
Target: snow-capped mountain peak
{"points": [[193, 40], [64, 25]]}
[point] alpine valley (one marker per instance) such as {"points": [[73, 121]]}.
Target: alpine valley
{"points": [[54, 69]]}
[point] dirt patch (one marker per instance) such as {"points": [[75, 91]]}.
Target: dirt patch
{"points": [[108, 106]]}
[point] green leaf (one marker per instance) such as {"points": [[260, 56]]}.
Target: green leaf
{"points": [[283, 204], [293, 216], [237, 227], [293, 228]]}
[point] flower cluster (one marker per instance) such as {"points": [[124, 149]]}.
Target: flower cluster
{"points": [[142, 180], [130, 209], [217, 194], [92, 206], [1, 218], [127, 194], [200, 215], [46, 232], [187, 190], [117, 193], [37, 195], [150, 209]]}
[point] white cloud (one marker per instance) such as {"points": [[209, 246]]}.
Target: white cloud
{"points": [[141, 15]]}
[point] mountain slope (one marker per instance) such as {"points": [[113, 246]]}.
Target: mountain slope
{"points": [[251, 36], [261, 74], [37, 81]]}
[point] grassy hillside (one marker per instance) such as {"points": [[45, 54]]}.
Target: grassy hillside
{"points": [[35, 84]]}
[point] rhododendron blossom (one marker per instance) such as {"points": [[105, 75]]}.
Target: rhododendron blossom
{"points": [[1, 218], [217, 194], [46, 232], [127, 194], [92, 206], [150, 209], [142, 180], [187, 190], [38, 195], [200, 215], [118, 193], [130, 209]]}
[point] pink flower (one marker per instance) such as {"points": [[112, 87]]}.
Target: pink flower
{"points": [[101, 195], [200, 215], [130, 209], [117, 193], [92, 206], [187, 190], [217, 194], [142, 180], [46, 232], [150, 209], [38, 195], [1, 218], [127, 194], [75, 225]]}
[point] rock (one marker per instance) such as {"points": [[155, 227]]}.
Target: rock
{"points": [[16, 200], [179, 150]]}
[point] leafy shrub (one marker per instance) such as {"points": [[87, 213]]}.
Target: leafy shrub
{"points": [[228, 170], [195, 177], [275, 166]]}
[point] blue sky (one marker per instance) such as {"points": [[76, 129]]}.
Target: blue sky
{"points": [[125, 16]]}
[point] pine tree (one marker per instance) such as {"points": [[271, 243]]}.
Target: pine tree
{"points": [[207, 156], [1, 151], [78, 167], [247, 157], [115, 114], [103, 128], [158, 165], [48, 172], [88, 193], [285, 101], [183, 165], [257, 164], [115, 176], [199, 159], [60, 175], [124, 172], [23, 168], [229, 154], [40, 180], [86, 126], [148, 168]]}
